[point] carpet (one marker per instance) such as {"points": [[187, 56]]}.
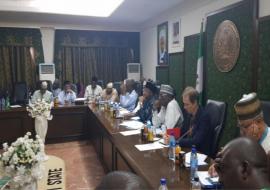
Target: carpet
{"points": [[54, 177]]}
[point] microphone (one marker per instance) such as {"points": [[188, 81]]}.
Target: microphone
{"points": [[184, 135]]}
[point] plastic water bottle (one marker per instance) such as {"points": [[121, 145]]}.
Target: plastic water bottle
{"points": [[163, 185], [1, 108], [150, 136], [196, 185], [3, 103], [7, 102], [193, 163], [172, 147]]}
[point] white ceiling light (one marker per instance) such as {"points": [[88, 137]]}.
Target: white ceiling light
{"points": [[98, 8]]}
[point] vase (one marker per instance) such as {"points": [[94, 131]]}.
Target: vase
{"points": [[41, 127]]}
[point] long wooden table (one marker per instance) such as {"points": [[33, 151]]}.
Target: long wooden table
{"points": [[68, 123], [116, 152]]}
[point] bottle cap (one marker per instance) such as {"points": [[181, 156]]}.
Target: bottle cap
{"points": [[163, 181]]}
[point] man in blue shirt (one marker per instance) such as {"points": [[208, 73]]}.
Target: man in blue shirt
{"points": [[66, 96], [145, 104], [129, 96]]}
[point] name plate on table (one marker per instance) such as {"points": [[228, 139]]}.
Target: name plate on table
{"points": [[80, 101], [54, 178]]}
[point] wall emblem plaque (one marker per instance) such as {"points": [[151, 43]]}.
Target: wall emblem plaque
{"points": [[226, 46]]}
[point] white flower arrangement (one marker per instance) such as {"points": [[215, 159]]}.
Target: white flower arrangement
{"points": [[23, 160], [40, 108]]}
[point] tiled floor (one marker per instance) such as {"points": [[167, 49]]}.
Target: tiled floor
{"points": [[83, 169]]}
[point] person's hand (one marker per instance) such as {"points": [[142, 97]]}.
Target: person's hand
{"points": [[123, 89], [212, 171], [156, 106], [141, 99], [166, 138]]}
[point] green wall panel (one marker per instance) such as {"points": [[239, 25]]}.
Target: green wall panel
{"points": [[264, 60], [191, 57], [176, 74], [162, 74], [230, 86]]}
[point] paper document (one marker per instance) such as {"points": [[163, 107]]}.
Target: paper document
{"points": [[80, 99], [15, 106], [132, 132], [132, 124], [123, 111], [206, 180], [201, 159], [150, 146], [136, 118]]}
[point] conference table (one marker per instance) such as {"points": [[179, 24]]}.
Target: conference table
{"points": [[115, 151]]}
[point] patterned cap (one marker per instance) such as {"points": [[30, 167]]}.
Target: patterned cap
{"points": [[110, 85], [248, 107], [167, 89]]}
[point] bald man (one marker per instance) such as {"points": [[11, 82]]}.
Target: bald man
{"points": [[242, 164], [128, 96], [42, 94], [122, 180], [110, 93]]}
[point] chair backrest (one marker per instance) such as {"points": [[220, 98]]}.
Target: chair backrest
{"points": [[20, 93], [266, 111], [217, 112], [100, 83], [139, 88], [117, 85]]}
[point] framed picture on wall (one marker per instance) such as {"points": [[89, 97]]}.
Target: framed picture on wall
{"points": [[162, 43], [175, 35]]}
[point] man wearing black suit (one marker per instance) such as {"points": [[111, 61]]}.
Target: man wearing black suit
{"points": [[197, 126]]}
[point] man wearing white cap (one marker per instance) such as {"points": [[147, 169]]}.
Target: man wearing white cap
{"points": [[110, 93], [42, 94], [170, 114], [250, 122]]}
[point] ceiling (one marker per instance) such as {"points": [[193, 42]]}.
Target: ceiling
{"points": [[129, 13]]}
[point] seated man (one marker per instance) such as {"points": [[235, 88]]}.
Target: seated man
{"points": [[170, 114], [42, 94], [93, 90], [129, 96], [56, 88], [251, 123], [66, 96], [250, 120], [110, 93], [242, 164], [146, 102], [122, 180], [198, 130]]}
